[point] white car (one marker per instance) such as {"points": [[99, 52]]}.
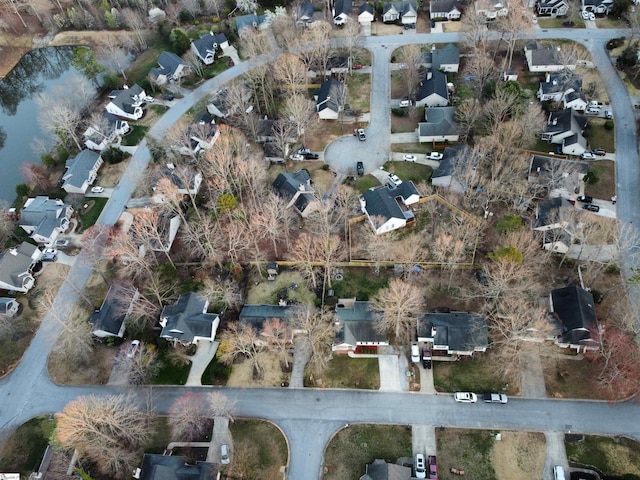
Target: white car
{"points": [[133, 348], [585, 15], [592, 16], [587, 156], [465, 397], [296, 157], [409, 158], [224, 454], [405, 102], [534, 19], [434, 156], [97, 190], [393, 180], [50, 255], [420, 466]]}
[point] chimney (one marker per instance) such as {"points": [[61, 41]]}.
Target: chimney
{"points": [[433, 331]]}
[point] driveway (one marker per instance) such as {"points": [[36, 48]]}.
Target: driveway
{"points": [[423, 439], [200, 361], [389, 367]]}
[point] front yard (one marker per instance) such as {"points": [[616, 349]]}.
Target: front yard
{"points": [[618, 456], [259, 450], [359, 91], [477, 374], [345, 372]]}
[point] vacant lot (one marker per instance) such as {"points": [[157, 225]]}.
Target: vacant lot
{"points": [[259, 451], [242, 374], [477, 374], [352, 448], [346, 372], [605, 172], [359, 91], [570, 376], [612, 456]]}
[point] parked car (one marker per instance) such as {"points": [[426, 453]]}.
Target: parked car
{"points": [[558, 473], [296, 157], [420, 466], [433, 467], [61, 243], [534, 19], [303, 151], [426, 357], [465, 397], [415, 352], [587, 156], [592, 16], [495, 398], [311, 156], [434, 156], [360, 134], [393, 180], [608, 114], [585, 199], [360, 168], [591, 207], [409, 158], [585, 15], [224, 454], [357, 66], [601, 152], [405, 102], [133, 348], [50, 255], [97, 189]]}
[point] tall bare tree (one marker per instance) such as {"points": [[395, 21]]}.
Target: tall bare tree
{"points": [[317, 329], [290, 72], [399, 303], [410, 57], [241, 340], [301, 112], [278, 336]]}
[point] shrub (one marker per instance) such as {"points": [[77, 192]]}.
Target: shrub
{"points": [[612, 268], [591, 178], [113, 155], [63, 153], [608, 125], [22, 190], [48, 160], [400, 112], [508, 223]]}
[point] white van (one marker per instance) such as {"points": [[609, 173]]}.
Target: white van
{"points": [[558, 473], [415, 353]]}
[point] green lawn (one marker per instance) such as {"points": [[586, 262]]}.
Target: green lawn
{"points": [[412, 147], [409, 171], [90, 216], [259, 450], [477, 374], [351, 449], [137, 133], [169, 374], [23, 450], [468, 450], [557, 22], [216, 373], [360, 283], [146, 61], [364, 183], [612, 456], [598, 136], [346, 372]]}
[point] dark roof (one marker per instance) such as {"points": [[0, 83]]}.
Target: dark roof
{"points": [[169, 467], [251, 20], [443, 6], [357, 324], [4, 304], [447, 55], [123, 99], [459, 331], [550, 3], [439, 121], [256, 315], [402, 7], [79, 167], [287, 184], [366, 7], [168, 64], [574, 307], [549, 211], [16, 263], [559, 165], [565, 120], [381, 201], [561, 81], [306, 11], [187, 318], [331, 95], [452, 159], [571, 96], [342, 6], [209, 43], [44, 214], [436, 83], [381, 470], [114, 309], [543, 56]]}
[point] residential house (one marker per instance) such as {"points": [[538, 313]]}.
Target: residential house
{"points": [[492, 9], [456, 169], [357, 325], [265, 131], [220, 107], [573, 308], [553, 8], [128, 102], [111, 130], [296, 189], [381, 470], [556, 219], [187, 181], [432, 91], [201, 135], [575, 101], [545, 59], [251, 21], [109, 320], [207, 45], [17, 267], [171, 68], [445, 59], [273, 153], [81, 171], [601, 7], [330, 99], [44, 218], [454, 333], [168, 226], [445, 9], [561, 177], [9, 307], [406, 11], [341, 11], [388, 208], [256, 316], [440, 125], [187, 321], [170, 467], [558, 84], [565, 127], [305, 13], [366, 15]]}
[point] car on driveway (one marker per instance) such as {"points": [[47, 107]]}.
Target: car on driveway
{"points": [[409, 158], [585, 15], [608, 114], [587, 156], [61, 243], [303, 151], [393, 180], [465, 397], [434, 156], [495, 398], [97, 189], [432, 465], [133, 348], [405, 102], [591, 207], [224, 454], [311, 156], [296, 157], [601, 152], [585, 199], [50, 255], [360, 168], [420, 466], [359, 132]]}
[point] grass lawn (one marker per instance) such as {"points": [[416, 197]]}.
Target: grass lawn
{"points": [[360, 283], [359, 91], [477, 374], [270, 292], [90, 217], [146, 61], [23, 450], [346, 372], [468, 450], [13, 346], [169, 374], [259, 450], [406, 123], [364, 183], [605, 187], [557, 22], [410, 171], [352, 448], [137, 133], [216, 373], [412, 147], [598, 136], [612, 456]]}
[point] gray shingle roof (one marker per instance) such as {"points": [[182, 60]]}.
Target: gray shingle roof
{"points": [[249, 21], [79, 167], [306, 11], [443, 6], [381, 201], [114, 309], [16, 263], [549, 211], [574, 307], [564, 121], [460, 331], [550, 164], [168, 64], [287, 184], [436, 84], [170, 467], [447, 55], [44, 214], [453, 158], [381, 470], [185, 319], [206, 43], [561, 81], [357, 324], [342, 7], [331, 95], [440, 121], [256, 315], [402, 7], [123, 99], [366, 7]]}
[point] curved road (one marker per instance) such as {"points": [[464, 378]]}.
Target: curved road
{"points": [[312, 416]]}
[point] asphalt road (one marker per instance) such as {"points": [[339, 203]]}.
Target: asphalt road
{"points": [[312, 416]]}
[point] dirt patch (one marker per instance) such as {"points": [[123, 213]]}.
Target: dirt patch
{"points": [[519, 455], [96, 373], [242, 373], [110, 174]]}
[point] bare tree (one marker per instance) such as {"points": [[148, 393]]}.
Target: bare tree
{"points": [[301, 112], [241, 340], [317, 46], [137, 24], [140, 368], [224, 291], [285, 32], [107, 430], [290, 72], [113, 56], [481, 70], [512, 28], [399, 304], [318, 330], [190, 417], [410, 57], [278, 336], [148, 229], [197, 68], [36, 176], [305, 254]]}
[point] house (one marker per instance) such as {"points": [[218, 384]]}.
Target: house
{"points": [[357, 325], [381, 470], [187, 321], [492, 9], [573, 308], [456, 169], [201, 135], [558, 84], [575, 101], [17, 267], [510, 76], [186, 181], [565, 127], [541, 59], [553, 8], [432, 91], [406, 11], [445, 59], [366, 15], [296, 189], [44, 218], [330, 99], [111, 130], [9, 307], [109, 320], [256, 315], [556, 219], [171, 68], [207, 45], [388, 208], [251, 21], [341, 11], [561, 177], [273, 153], [305, 13], [128, 102], [454, 333], [168, 226], [440, 125], [170, 467], [445, 9], [602, 7], [81, 171]]}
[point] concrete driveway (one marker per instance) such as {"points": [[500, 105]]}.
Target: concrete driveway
{"points": [[423, 439], [200, 361], [389, 373]]}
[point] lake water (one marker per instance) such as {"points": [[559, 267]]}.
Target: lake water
{"points": [[38, 71]]}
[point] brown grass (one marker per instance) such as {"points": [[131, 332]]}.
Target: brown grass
{"points": [[110, 175], [519, 455], [242, 373], [97, 373], [605, 187], [568, 376]]}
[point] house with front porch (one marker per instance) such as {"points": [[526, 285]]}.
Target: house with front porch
{"points": [[492, 9], [445, 10], [432, 90], [44, 218], [599, 7], [109, 130], [330, 99], [453, 333], [565, 127], [17, 267], [552, 8], [187, 321], [389, 208], [440, 125], [358, 326], [406, 11], [81, 171], [128, 102], [206, 47]]}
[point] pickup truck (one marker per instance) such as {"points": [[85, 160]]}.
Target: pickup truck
{"points": [[495, 398]]}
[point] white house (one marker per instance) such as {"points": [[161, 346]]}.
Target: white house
{"points": [[366, 15], [553, 8], [296, 189], [187, 321], [541, 59], [388, 208], [81, 171], [16, 267], [445, 9], [44, 218], [406, 11], [557, 84], [341, 11], [565, 127], [432, 91], [492, 9], [357, 326], [128, 102], [109, 131], [330, 99], [171, 68], [207, 45]]}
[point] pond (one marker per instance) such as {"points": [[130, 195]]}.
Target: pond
{"points": [[37, 72]]}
